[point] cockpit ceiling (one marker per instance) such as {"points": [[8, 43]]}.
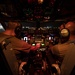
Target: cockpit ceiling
{"points": [[37, 10]]}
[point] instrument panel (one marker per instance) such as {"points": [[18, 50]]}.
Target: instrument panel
{"points": [[39, 36]]}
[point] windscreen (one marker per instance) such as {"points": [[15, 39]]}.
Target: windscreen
{"points": [[1, 28]]}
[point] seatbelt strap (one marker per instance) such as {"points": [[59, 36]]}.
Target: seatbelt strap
{"points": [[4, 37]]}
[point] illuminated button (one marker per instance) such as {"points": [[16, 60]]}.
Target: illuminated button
{"points": [[33, 44], [42, 44]]}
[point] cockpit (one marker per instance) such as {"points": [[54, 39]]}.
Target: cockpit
{"points": [[40, 36], [43, 25]]}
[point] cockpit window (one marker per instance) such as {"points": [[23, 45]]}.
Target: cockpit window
{"points": [[1, 28]]}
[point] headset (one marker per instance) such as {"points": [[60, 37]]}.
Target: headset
{"points": [[18, 31], [64, 35]]}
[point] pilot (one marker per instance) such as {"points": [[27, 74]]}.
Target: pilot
{"points": [[13, 28], [21, 48], [60, 50]]}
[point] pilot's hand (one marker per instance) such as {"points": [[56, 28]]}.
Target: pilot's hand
{"points": [[34, 47], [21, 71]]}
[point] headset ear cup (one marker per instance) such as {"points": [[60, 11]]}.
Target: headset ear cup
{"points": [[64, 33], [18, 31]]}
